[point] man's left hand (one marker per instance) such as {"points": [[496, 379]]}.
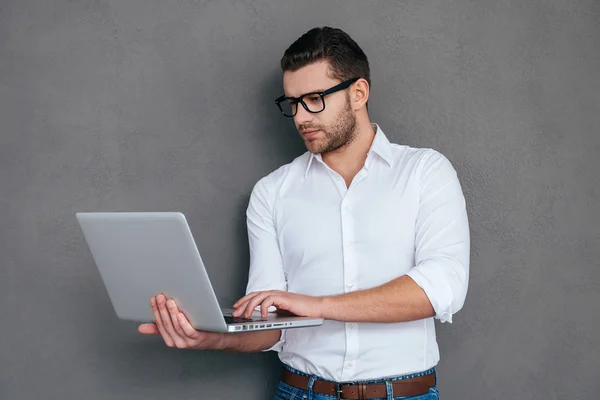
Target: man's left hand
{"points": [[297, 304]]}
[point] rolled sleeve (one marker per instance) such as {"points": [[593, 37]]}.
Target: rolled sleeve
{"points": [[266, 265], [442, 240], [279, 345]]}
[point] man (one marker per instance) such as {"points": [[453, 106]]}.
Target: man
{"points": [[371, 236]]}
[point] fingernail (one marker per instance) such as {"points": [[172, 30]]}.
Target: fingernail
{"points": [[171, 303]]}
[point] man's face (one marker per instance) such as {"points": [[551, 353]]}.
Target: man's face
{"points": [[332, 128]]}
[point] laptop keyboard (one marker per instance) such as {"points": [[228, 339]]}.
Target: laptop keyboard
{"points": [[236, 320]]}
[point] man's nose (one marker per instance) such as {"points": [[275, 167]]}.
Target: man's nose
{"points": [[302, 116]]}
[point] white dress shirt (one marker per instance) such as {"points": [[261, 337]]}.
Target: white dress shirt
{"points": [[403, 214]]}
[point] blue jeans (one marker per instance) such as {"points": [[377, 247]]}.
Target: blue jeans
{"points": [[287, 392]]}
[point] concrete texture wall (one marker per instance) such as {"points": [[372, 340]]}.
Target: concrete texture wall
{"points": [[168, 105]]}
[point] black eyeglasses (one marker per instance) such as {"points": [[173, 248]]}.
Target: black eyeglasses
{"points": [[313, 102]]}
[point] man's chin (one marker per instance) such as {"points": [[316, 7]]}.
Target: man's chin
{"points": [[312, 146]]}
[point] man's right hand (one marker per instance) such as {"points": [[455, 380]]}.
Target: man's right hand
{"points": [[175, 328]]}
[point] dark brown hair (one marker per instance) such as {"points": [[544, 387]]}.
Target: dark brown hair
{"points": [[345, 57]]}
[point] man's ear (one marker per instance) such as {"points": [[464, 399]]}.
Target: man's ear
{"points": [[360, 93]]}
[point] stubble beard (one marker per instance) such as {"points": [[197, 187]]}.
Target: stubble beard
{"points": [[339, 134]]}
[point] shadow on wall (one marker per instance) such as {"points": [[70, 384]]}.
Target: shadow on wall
{"points": [[278, 132]]}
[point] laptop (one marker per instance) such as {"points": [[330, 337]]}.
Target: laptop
{"points": [[142, 254]]}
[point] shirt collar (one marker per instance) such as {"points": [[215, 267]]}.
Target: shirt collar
{"points": [[380, 146]]}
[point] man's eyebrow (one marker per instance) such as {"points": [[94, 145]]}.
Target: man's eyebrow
{"points": [[312, 91]]}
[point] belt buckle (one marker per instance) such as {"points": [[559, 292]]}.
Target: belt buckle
{"points": [[338, 389]]}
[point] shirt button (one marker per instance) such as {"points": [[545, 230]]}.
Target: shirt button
{"points": [[351, 326], [349, 364], [350, 286]]}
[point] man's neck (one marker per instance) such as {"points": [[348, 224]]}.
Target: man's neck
{"points": [[347, 161]]}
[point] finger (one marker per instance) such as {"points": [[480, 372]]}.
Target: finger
{"points": [[240, 310], [199, 339], [244, 299], [187, 327], [264, 306], [241, 303], [161, 302], [159, 324], [252, 304], [148, 329], [173, 311], [246, 309], [168, 323], [249, 296]]}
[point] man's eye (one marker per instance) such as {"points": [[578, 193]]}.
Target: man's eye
{"points": [[314, 99]]}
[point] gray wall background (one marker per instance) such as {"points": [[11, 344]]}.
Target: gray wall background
{"points": [[168, 105]]}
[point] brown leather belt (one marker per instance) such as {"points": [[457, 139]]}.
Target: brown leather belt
{"points": [[401, 388]]}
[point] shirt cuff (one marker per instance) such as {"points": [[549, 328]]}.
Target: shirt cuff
{"points": [[440, 296], [279, 345]]}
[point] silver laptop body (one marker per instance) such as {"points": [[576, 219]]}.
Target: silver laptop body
{"points": [[142, 254]]}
